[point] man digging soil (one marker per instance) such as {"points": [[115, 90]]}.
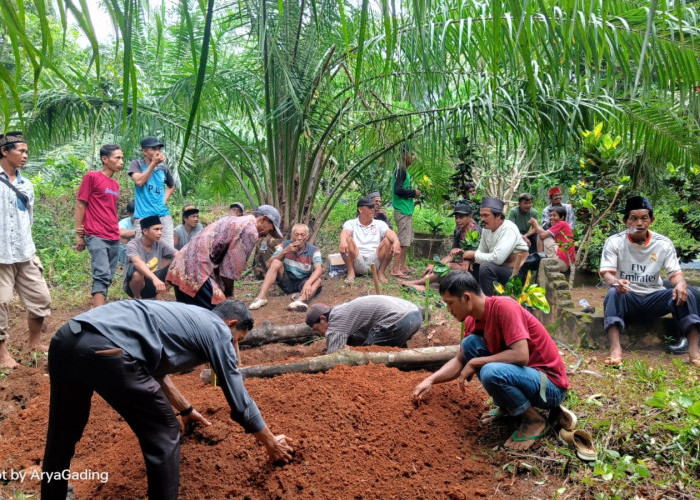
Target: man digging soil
{"points": [[509, 350], [124, 351]]}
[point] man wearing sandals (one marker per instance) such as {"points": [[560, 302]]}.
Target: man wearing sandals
{"points": [[510, 352], [297, 267], [631, 265], [365, 241]]}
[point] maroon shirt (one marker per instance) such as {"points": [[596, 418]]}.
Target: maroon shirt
{"points": [[505, 322], [100, 193]]}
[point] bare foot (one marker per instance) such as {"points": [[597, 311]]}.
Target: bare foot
{"points": [[8, 362], [382, 279], [695, 361], [527, 433], [38, 347]]}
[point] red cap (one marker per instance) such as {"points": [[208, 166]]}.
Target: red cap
{"points": [[554, 190]]}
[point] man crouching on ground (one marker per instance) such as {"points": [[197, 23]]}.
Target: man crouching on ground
{"points": [[124, 351], [509, 350]]}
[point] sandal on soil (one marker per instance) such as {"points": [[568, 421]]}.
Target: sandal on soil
{"points": [[295, 296], [567, 418], [257, 304], [695, 362], [582, 443], [520, 439], [492, 415], [349, 280], [401, 276]]}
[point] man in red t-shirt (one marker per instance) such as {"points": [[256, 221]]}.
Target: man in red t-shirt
{"points": [[509, 350], [96, 223], [558, 240]]}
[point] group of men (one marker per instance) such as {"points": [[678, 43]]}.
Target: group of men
{"points": [[125, 350]]}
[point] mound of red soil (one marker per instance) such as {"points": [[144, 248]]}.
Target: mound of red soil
{"points": [[355, 431]]}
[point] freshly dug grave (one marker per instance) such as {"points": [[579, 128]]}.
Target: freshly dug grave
{"points": [[355, 431]]}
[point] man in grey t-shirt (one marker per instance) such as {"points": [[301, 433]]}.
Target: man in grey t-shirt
{"points": [[369, 320], [149, 260], [124, 352]]}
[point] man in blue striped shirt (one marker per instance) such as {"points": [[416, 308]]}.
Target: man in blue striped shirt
{"points": [[296, 266]]}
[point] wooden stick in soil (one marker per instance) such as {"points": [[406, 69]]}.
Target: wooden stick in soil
{"points": [[425, 358], [375, 278], [426, 312]]}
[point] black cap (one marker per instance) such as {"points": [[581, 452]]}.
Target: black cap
{"points": [[151, 142], [365, 201], [638, 203], [462, 209], [149, 221]]}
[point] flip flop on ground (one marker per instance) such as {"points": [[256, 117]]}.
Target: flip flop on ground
{"points": [[402, 276], [492, 415], [349, 280], [582, 443]]}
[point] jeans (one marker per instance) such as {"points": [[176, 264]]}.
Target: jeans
{"points": [[398, 334], [103, 260], [624, 306], [75, 372], [513, 388]]}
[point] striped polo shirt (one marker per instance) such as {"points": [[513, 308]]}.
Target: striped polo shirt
{"points": [[300, 265]]}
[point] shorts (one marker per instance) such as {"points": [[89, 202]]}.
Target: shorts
{"points": [[149, 289], [404, 224], [27, 279], [363, 263], [290, 284]]}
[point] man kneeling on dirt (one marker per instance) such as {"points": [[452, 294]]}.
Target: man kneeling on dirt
{"points": [[631, 265], [509, 350], [297, 267], [365, 241], [369, 320], [149, 259], [124, 351]]}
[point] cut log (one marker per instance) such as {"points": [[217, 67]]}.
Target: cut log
{"points": [[425, 358], [269, 333]]}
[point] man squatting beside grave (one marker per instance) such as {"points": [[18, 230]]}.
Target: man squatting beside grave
{"points": [[500, 247], [124, 351], [153, 185], [365, 240], [96, 224], [509, 350], [148, 262], [297, 267], [631, 265], [20, 268], [368, 320]]}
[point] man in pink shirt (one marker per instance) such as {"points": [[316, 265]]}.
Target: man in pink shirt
{"points": [[510, 351], [96, 223]]}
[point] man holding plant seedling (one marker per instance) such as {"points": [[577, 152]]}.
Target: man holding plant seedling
{"points": [[124, 352], [466, 237], [631, 266], [510, 352]]}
